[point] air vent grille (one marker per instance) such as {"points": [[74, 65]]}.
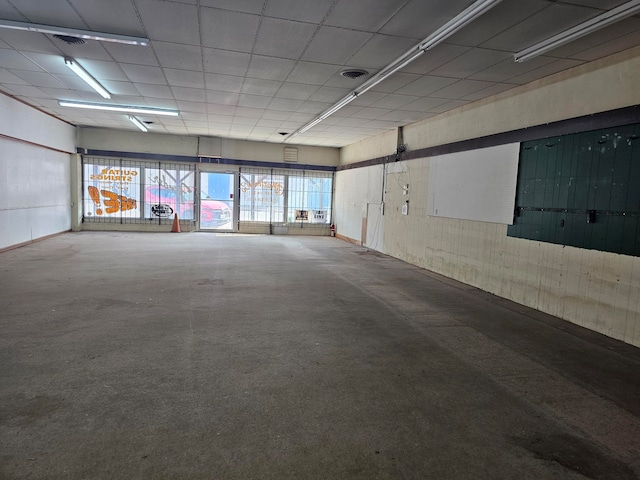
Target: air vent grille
{"points": [[290, 154], [354, 74], [70, 40]]}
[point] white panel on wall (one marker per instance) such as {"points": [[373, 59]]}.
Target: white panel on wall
{"points": [[35, 192], [26, 123], [358, 195], [475, 185]]}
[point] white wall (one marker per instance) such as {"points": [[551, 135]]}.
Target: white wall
{"points": [[35, 174], [598, 290]]}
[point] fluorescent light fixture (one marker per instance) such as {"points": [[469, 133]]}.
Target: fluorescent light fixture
{"points": [[463, 18], [84, 75], [456, 23], [386, 72], [596, 23], [73, 32], [118, 108], [137, 123]]}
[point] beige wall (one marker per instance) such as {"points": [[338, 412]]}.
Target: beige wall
{"points": [[595, 87], [139, 142], [598, 290]]}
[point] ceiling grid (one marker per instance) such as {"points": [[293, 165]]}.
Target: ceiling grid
{"points": [[258, 69]]}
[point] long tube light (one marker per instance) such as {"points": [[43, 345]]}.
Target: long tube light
{"points": [[380, 76], [137, 123], [596, 23], [73, 32], [84, 75], [444, 32], [118, 108], [463, 18]]}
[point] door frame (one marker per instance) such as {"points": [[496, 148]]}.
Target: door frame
{"points": [[235, 211]]}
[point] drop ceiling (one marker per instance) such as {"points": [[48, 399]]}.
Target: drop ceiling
{"points": [[253, 69]]}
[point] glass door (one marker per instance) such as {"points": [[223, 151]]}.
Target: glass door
{"points": [[216, 201]]}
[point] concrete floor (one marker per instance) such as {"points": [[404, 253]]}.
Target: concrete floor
{"points": [[204, 356]]}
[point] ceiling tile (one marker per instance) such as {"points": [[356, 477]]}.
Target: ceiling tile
{"points": [[213, 109], [51, 12], [435, 58], [594, 40], [544, 24], [296, 91], [494, 21], [121, 88], [285, 104], [13, 60], [609, 48], [132, 54], [28, 91], [460, 89], [425, 104], [368, 112], [473, 61], [334, 45], [225, 62], [222, 98], [395, 101], [368, 99], [154, 91], [489, 91], [7, 77], [402, 116], [312, 73], [31, 42], [144, 74], [419, 18], [249, 112], [313, 107], [102, 70], [450, 105], [509, 68], [228, 30], [255, 86], [48, 62], [328, 94], [269, 68], [426, 85], [189, 106], [170, 22], [253, 101], [184, 78], [395, 82], [275, 114], [312, 11], [246, 6], [283, 38], [368, 15], [224, 83], [172, 55], [381, 50], [101, 16], [546, 70]]}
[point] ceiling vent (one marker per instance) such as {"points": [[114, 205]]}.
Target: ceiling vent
{"points": [[70, 40], [354, 74], [290, 154]]}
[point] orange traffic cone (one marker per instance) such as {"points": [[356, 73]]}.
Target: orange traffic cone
{"points": [[176, 224]]}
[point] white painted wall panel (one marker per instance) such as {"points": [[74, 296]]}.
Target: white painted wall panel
{"points": [[475, 185], [35, 198], [24, 122], [358, 194]]}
